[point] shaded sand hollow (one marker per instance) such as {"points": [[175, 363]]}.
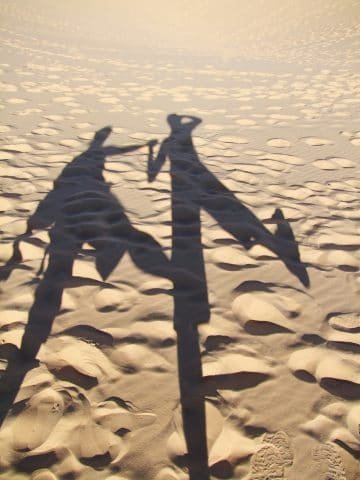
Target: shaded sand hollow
{"points": [[179, 277]]}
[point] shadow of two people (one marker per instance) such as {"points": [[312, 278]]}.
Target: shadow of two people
{"points": [[82, 209]]}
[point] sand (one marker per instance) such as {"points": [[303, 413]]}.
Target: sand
{"points": [[179, 276]]}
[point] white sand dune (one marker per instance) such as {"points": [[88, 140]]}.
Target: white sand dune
{"points": [[179, 240]]}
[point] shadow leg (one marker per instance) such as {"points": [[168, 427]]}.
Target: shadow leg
{"points": [[47, 303], [148, 255], [191, 307], [192, 400], [41, 316]]}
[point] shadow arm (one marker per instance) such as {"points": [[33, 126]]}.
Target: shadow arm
{"points": [[154, 165], [112, 150], [195, 121]]}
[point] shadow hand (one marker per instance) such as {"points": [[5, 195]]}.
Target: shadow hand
{"points": [[151, 144]]}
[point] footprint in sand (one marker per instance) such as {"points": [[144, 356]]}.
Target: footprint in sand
{"points": [[343, 162], [233, 139], [109, 100], [86, 136], [42, 413], [121, 299], [279, 116], [70, 143], [227, 446], [263, 313], [5, 128], [63, 99], [325, 165], [278, 143], [94, 432], [355, 141], [8, 87], [54, 118], [43, 474], [45, 131], [245, 122], [165, 473], [274, 455], [317, 142], [82, 125], [16, 101], [334, 163], [214, 127], [285, 158], [253, 153], [346, 322], [230, 258], [18, 148], [328, 454], [345, 332], [336, 372]]}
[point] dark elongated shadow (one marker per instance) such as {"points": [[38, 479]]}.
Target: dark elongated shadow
{"points": [[194, 187], [79, 209]]}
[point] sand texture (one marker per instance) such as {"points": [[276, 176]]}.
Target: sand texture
{"points": [[179, 240]]}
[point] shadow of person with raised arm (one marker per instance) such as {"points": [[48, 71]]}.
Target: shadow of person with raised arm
{"points": [[194, 188], [80, 209]]}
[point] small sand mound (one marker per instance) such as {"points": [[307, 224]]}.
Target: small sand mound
{"points": [[347, 322], [260, 316]]}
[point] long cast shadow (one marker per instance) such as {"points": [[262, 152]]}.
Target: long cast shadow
{"points": [[194, 187], [80, 209]]}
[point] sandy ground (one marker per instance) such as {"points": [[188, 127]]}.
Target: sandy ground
{"points": [[179, 200]]}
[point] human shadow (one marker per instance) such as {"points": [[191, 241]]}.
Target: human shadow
{"points": [[80, 209], [194, 187]]}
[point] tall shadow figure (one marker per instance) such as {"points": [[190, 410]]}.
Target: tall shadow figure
{"points": [[194, 187], [80, 209]]}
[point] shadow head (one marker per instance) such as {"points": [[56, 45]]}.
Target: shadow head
{"points": [[182, 123]]}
